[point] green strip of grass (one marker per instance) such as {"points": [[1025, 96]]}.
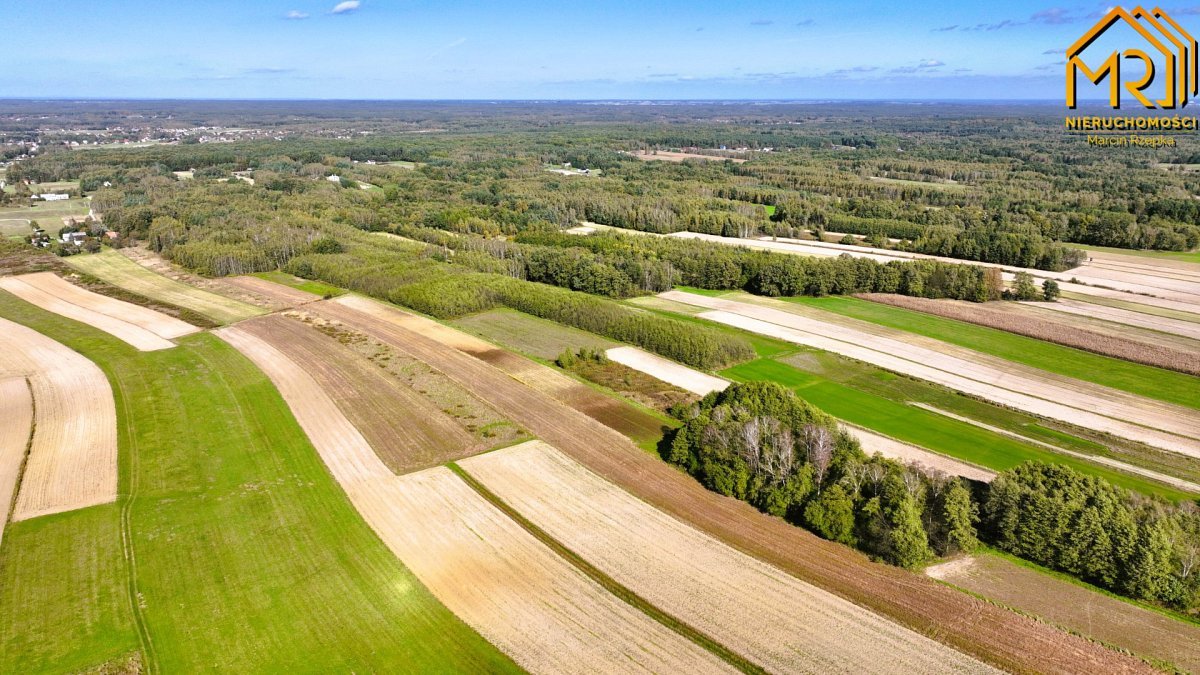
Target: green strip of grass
{"points": [[927, 429], [1135, 378], [248, 556], [1182, 256], [314, 287]]}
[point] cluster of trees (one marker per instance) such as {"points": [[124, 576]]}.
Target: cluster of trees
{"points": [[1087, 527], [762, 444], [448, 291]]}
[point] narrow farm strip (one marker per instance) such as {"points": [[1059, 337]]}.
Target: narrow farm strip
{"points": [[718, 590], [666, 370], [72, 460], [495, 576], [228, 506], [114, 268], [137, 336], [965, 623], [280, 295], [1144, 381], [1076, 607], [624, 417], [1115, 340], [406, 429], [1171, 430], [16, 409], [1188, 329]]}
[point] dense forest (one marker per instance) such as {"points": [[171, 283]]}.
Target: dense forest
{"points": [[761, 443]]}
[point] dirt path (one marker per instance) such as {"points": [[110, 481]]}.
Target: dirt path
{"points": [[72, 460], [484, 567], [996, 635]]}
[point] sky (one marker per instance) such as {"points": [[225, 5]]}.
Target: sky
{"points": [[568, 49]]}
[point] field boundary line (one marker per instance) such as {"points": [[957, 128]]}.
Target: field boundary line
{"points": [[608, 583]]}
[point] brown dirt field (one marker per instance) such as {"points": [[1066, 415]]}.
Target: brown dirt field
{"points": [[159, 265], [73, 458], [611, 412], [16, 409], [483, 566], [1011, 318], [1077, 608], [136, 336], [406, 429], [991, 633], [1003, 382], [160, 324], [284, 297], [768, 617]]}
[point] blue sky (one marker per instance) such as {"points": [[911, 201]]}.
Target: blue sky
{"points": [[406, 49]]}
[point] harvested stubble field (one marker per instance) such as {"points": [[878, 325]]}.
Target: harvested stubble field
{"points": [[770, 618], [1163, 324], [666, 370], [624, 417], [118, 270], [1027, 320], [971, 625], [147, 319], [491, 573], [668, 156], [44, 295], [910, 454], [158, 265], [1023, 388], [226, 505], [405, 429], [279, 294], [1076, 607], [530, 334], [72, 459], [16, 409]]}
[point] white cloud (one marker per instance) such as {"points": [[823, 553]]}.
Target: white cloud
{"points": [[296, 15], [930, 63], [346, 7]]}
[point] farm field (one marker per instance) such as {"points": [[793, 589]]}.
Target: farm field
{"points": [[926, 429], [669, 156], [1185, 327], [530, 334], [218, 286], [1076, 607], [376, 404], [234, 512], [699, 580], [993, 634], [16, 409], [114, 268], [1069, 401], [1147, 381], [279, 294], [459, 537], [305, 285], [72, 458], [666, 370], [1086, 330], [638, 424], [16, 219], [1192, 257]]}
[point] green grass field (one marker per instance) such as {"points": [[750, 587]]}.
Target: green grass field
{"points": [[924, 428], [116, 269], [247, 556], [314, 287], [48, 214], [1182, 256], [534, 336], [1148, 381]]}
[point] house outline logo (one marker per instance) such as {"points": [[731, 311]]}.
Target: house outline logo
{"points": [[1179, 52]]}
